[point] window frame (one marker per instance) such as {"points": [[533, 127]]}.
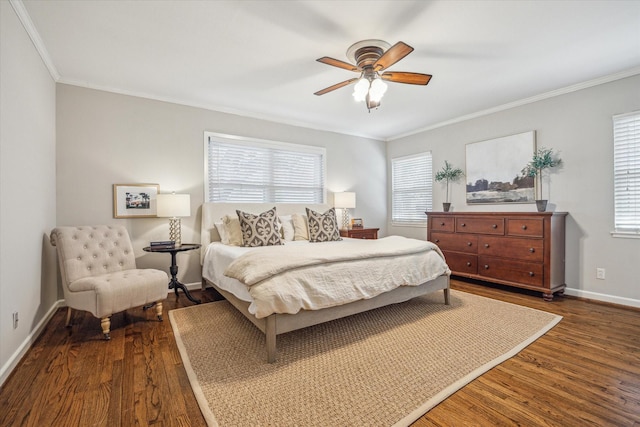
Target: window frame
{"points": [[404, 222], [632, 231], [264, 144]]}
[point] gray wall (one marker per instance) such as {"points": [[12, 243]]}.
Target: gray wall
{"points": [[579, 126], [105, 138], [27, 190]]}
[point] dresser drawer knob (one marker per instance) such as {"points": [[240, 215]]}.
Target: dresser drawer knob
{"points": [[463, 224], [437, 240], [486, 266], [468, 264], [531, 274], [442, 224], [486, 245], [524, 227], [532, 250], [468, 243], [494, 226]]}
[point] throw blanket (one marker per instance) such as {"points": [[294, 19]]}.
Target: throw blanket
{"points": [[260, 264]]}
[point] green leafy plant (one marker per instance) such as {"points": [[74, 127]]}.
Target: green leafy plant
{"points": [[544, 158], [449, 174]]}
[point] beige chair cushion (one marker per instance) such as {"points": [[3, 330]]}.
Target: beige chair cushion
{"points": [[119, 291]]}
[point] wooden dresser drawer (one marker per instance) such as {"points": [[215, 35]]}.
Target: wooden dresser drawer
{"points": [[461, 263], [493, 225], [456, 242], [443, 223], [511, 271], [532, 227], [516, 248]]}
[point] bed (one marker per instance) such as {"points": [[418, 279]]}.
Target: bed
{"points": [[257, 302]]}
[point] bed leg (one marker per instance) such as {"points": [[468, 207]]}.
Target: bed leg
{"points": [[270, 333], [447, 296]]}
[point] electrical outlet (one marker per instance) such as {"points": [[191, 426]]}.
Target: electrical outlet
{"points": [[600, 273], [15, 320]]}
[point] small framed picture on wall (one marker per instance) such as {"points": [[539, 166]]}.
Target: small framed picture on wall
{"points": [[135, 200]]}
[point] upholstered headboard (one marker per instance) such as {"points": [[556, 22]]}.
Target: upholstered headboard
{"points": [[213, 212]]}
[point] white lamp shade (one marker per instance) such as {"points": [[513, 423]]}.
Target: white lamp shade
{"points": [[344, 200], [173, 205]]}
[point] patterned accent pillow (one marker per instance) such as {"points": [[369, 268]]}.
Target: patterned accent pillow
{"points": [[323, 227], [260, 230]]}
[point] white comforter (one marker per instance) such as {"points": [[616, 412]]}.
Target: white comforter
{"points": [[312, 276]]}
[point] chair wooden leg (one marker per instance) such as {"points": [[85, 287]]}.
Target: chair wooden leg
{"points": [[159, 310], [68, 322], [105, 322]]}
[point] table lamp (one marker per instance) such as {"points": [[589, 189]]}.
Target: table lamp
{"points": [[345, 201], [174, 206]]}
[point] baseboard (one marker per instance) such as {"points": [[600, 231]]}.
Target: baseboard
{"points": [[595, 296], [15, 358], [195, 286]]}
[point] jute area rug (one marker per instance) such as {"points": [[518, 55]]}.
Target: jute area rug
{"points": [[385, 367]]}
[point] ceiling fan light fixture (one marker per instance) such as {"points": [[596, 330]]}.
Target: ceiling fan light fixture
{"points": [[370, 89], [377, 89], [361, 89]]}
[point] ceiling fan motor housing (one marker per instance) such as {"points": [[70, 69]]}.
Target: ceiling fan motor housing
{"points": [[367, 56]]}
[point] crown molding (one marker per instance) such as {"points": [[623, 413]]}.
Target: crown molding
{"points": [[551, 94], [27, 23]]}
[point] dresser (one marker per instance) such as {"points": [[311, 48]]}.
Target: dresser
{"points": [[510, 248], [360, 233]]}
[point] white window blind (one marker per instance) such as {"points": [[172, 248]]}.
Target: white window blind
{"points": [[412, 188], [257, 171], [626, 169]]}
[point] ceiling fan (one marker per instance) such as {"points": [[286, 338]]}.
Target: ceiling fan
{"points": [[369, 58]]}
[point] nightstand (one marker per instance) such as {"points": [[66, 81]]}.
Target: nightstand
{"points": [[360, 233], [173, 269]]}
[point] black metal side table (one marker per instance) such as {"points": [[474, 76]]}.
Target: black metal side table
{"points": [[174, 283]]}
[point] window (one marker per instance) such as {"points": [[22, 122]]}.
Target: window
{"points": [[412, 189], [626, 170], [256, 171]]}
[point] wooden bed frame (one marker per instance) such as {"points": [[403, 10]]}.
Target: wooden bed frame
{"points": [[277, 324]]}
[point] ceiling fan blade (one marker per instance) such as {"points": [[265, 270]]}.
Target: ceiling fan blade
{"points": [[336, 86], [394, 54], [339, 64], [408, 78]]}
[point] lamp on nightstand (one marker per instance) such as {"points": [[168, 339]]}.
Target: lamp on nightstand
{"points": [[345, 201], [174, 206]]}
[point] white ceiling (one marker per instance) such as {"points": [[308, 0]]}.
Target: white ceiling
{"points": [[257, 58]]}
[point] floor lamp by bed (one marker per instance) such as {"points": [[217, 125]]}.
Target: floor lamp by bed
{"points": [[345, 201], [174, 206]]}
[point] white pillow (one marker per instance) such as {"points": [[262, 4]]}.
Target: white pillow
{"points": [[232, 231], [286, 227], [222, 232], [301, 231]]}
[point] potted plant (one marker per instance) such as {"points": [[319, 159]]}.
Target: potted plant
{"points": [[544, 158], [449, 174]]}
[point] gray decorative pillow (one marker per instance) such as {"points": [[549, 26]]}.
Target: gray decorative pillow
{"points": [[323, 227], [260, 230]]}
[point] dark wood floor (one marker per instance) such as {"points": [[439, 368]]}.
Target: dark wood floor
{"points": [[585, 371]]}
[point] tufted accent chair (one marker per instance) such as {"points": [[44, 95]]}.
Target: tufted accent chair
{"points": [[99, 274]]}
